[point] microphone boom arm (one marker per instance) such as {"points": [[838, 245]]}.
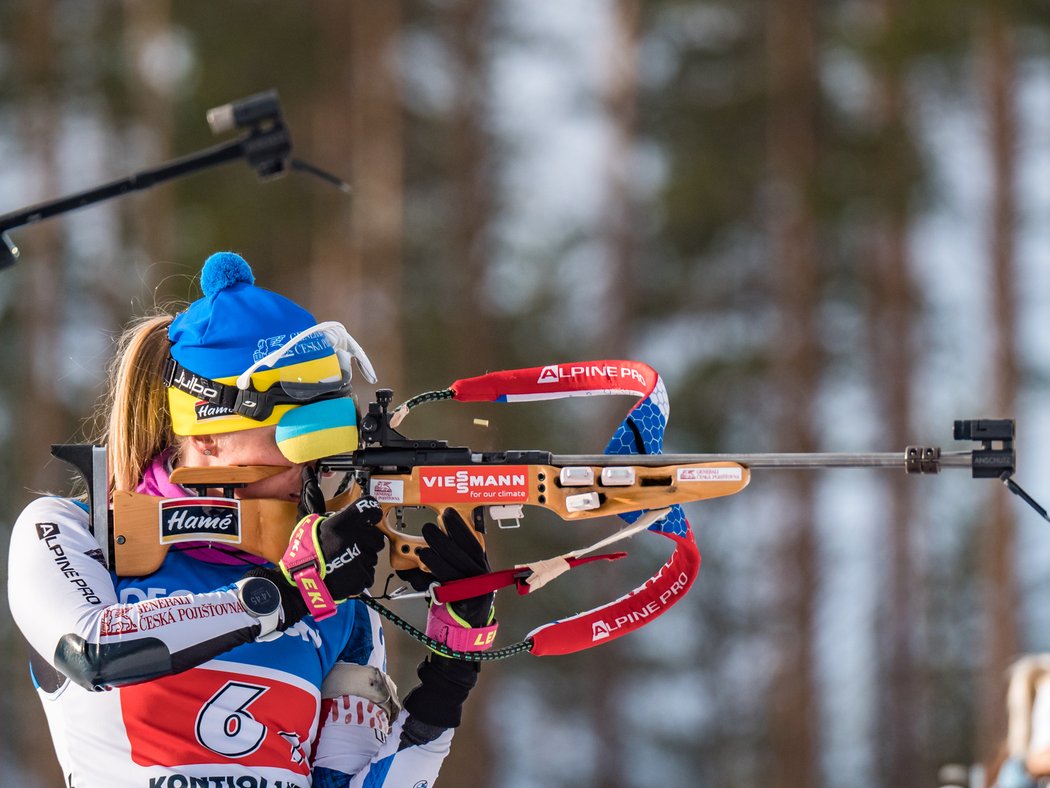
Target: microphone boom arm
{"points": [[267, 147]]}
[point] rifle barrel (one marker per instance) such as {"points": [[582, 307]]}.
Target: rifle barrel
{"points": [[954, 459]]}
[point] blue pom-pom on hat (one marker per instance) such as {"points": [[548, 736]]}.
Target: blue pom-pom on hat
{"points": [[235, 322], [225, 269]]}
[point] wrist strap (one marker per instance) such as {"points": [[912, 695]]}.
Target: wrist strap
{"points": [[268, 622], [303, 566], [452, 632]]}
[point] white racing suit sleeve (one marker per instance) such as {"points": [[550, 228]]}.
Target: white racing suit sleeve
{"points": [[63, 600]]}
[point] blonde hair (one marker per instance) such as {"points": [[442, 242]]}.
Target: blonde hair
{"points": [[134, 419], [1025, 677]]}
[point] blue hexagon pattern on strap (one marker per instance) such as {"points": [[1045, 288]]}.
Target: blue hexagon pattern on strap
{"points": [[645, 424]]}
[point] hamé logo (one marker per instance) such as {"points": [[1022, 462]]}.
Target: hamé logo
{"points": [[190, 519], [206, 411]]}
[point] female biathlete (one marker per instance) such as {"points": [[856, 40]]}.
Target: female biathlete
{"points": [[212, 671]]}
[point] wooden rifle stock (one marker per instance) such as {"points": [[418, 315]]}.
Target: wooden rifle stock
{"points": [[573, 492]]}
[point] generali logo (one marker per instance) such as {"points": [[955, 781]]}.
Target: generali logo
{"points": [[190, 519], [117, 620], [710, 474], [492, 484], [387, 490]]}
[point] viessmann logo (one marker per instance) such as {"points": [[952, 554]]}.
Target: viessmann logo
{"points": [[495, 484]]}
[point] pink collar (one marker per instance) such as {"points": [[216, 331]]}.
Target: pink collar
{"points": [[156, 480]]}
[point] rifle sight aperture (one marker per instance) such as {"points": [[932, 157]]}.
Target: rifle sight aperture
{"points": [[984, 430], [989, 462]]}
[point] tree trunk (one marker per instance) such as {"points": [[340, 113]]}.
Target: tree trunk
{"points": [[902, 735], [615, 310], [618, 231], [40, 281], [792, 145], [473, 334], [999, 586], [471, 330], [358, 128], [150, 213]]}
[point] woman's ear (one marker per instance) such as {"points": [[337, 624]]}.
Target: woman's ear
{"points": [[201, 450]]}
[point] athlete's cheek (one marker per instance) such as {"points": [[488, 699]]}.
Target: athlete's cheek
{"points": [[293, 481], [286, 485], [282, 487]]}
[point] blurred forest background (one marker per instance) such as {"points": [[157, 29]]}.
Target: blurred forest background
{"points": [[825, 224]]}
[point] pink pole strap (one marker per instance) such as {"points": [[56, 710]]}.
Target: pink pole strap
{"points": [[447, 630], [303, 565]]}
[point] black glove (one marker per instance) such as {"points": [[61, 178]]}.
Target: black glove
{"points": [[311, 500], [350, 545], [453, 554], [444, 684]]}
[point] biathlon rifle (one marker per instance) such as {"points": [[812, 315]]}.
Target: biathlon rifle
{"points": [[631, 479]]}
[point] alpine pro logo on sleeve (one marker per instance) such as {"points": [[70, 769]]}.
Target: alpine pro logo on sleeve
{"points": [[48, 533]]}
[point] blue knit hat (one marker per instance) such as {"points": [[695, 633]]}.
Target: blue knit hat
{"points": [[237, 323], [229, 331]]}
